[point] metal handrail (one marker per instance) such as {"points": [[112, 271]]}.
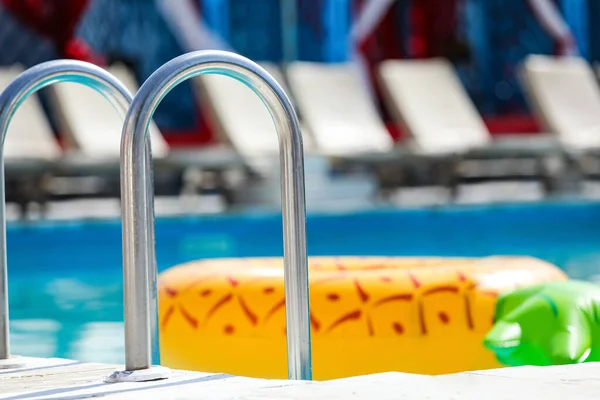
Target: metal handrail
{"points": [[140, 291], [27, 83]]}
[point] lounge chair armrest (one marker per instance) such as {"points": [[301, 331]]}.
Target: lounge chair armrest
{"points": [[76, 163], [211, 157], [22, 169], [519, 146], [396, 154]]}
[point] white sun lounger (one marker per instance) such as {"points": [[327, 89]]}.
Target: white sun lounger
{"points": [[346, 126], [89, 123], [242, 120], [29, 136], [337, 109], [93, 129], [211, 157], [30, 149], [564, 93], [427, 98]]}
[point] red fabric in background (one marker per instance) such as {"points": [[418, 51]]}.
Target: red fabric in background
{"points": [[513, 124], [383, 44], [431, 25], [516, 124], [432, 28], [434, 25], [56, 20], [203, 134]]}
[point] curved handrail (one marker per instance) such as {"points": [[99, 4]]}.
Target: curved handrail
{"points": [[27, 83], [139, 273]]}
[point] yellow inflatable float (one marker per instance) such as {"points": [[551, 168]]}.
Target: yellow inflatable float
{"points": [[368, 314]]}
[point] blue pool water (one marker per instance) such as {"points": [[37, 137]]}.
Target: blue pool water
{"points": [[66, 284]]}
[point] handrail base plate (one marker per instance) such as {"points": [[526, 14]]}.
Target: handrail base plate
{"points": [[155, 372]]}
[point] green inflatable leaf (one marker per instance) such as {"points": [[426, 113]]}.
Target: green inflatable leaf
{"points": [[552, 323]]}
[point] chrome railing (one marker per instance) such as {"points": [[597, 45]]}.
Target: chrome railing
{"points": [[138, 216], [27, 83], [139, 262]]}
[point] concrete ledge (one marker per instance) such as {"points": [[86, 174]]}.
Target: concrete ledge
{"points": [[67, 379]]}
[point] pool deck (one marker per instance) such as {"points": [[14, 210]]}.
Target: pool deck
{"points": [[67, 379]]}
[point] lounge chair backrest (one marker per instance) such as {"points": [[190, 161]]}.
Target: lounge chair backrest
{"points": [[125, 75], [29, 134], [89, 122], [564, 94], [240, 117], [427, 98], [337, 108]]}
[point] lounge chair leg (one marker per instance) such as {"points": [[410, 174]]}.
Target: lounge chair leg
{"points": [[220, 186], [43, 193], [21, 199], [571, 175], [196, 181], [451, 177], [390, 179]]}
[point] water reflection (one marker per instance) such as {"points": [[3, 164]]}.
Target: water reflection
{"points": [[79, 315], [76, 318]]}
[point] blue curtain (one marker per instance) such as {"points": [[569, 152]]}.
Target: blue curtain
{"points": [[593, 8], [21, 44], [576, 16], [502, 33], [323, 30], [134, 31], [251, 27]]}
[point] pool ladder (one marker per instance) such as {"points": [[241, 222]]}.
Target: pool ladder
{"points": [[142, 357]]}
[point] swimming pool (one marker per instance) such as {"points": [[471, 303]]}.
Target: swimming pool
{"points": [[65, 278]]}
